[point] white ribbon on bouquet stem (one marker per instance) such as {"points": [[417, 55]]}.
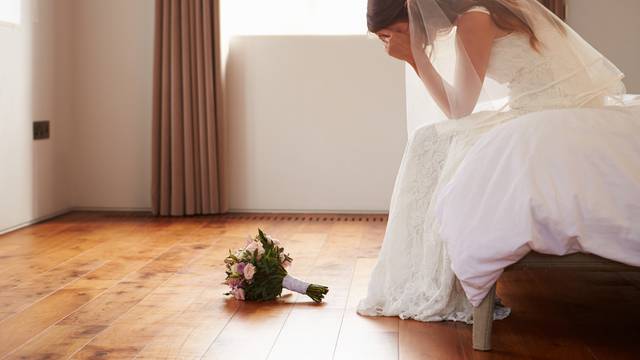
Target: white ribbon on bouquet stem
{"points": [[293, 284]]}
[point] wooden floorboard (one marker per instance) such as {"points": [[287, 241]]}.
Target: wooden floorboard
{"points": [[124, 286]]}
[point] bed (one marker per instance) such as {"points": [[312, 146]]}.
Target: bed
{"points": [[483, 314], [553, 189]]}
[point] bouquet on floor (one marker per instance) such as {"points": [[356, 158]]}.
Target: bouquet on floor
{"points": [[258, 272]]}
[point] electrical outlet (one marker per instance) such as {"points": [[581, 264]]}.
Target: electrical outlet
{"points": [[40, 130]]}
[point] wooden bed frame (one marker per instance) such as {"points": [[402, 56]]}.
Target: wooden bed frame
{"points": [[483, 314]]}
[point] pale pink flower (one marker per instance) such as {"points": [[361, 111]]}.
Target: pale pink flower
{"points": [[256, 245], [275, 242], [252, 246], [260, 250], [240, 267], [233, 282], [238, 293], [249, 271]]}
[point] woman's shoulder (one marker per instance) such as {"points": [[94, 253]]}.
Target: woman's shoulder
{"points": [[479, 24], [475, 23]]}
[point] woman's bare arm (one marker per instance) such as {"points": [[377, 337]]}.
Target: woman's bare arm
{"points": [[474, 39]]}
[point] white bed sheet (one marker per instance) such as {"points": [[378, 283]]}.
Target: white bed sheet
{"points": [[557, 182]]}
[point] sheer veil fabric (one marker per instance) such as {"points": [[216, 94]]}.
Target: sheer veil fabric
{"points": [[576, 73], [413, 276]]}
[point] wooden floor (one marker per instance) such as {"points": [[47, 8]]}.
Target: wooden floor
{"points": [[123, 286]]}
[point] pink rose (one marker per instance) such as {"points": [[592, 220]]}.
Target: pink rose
{"points": [[249, 271], [240, 268], [233, 282], [256, 245], [275, 242], [238, 293], [252, 246], [260, 250]]}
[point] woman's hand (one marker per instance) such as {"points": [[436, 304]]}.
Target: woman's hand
{"points": [[397, 44]]}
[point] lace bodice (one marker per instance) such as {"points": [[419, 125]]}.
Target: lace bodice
{"points": [[510, 55], [550, 77], [524, 71]]}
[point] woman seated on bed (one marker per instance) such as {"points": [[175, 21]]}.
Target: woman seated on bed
{"points": [[485, 63]]}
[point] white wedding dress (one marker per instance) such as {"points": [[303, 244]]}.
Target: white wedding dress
{"points": [[413, 278]]}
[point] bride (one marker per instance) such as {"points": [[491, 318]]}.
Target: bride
{"points": [[484, 63]]}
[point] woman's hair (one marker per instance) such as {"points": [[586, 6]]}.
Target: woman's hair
{"points": [[508, 19], [382, 13]]}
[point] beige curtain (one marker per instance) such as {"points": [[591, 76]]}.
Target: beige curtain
{"points": [[187, 121]]}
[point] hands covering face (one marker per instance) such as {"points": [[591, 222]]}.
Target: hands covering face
{"points": [[397, 42]]}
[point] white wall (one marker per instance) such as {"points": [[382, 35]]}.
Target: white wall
{"points": [[112, 82], [346, 125], [85, 65], [34, 174], [612, 27], [362, 124], [315, 123], [421, 108]]}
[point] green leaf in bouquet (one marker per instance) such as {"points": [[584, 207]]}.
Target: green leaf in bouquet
{"points": [[267, 282], [261, 235]]}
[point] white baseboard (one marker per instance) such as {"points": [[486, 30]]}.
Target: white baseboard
{"points": [[114, 209], [35, 221], [40, 219], [148, 210], [308, 211]]}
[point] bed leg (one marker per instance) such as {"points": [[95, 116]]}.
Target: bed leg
{"points": [[483, 321]]}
